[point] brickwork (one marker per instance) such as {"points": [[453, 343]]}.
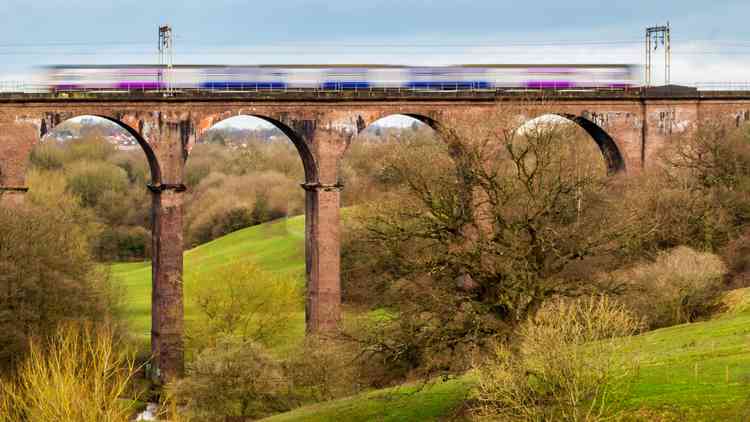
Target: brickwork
{"points": [[627, 128], [166, 294]]}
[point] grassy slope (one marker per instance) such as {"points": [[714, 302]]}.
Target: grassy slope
{"points": [[438, 401], [276, 246], [667, 388], [670, 357], [699, 371]]}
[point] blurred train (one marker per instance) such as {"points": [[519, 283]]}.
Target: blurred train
{"points": [[339, 77]]}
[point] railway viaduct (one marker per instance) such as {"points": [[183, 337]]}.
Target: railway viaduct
{"points": [[629, 127]]}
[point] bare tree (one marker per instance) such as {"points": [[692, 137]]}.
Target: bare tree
{"points": [[488, 226]]}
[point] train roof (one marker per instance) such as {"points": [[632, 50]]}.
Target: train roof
{"points": [[326, 66]]}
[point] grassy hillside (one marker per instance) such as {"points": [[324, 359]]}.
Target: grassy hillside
{"points": [[690, 372], [698, 371], [435, 401], [275, 246]]}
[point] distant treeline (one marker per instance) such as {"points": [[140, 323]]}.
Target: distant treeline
{"points": [[236, 178]]}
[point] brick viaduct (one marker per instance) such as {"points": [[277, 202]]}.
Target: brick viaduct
{"points": [[628, 127]]}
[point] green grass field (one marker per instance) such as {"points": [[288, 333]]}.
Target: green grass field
{"points": [[440, 400], [698, 371], [277, 246], [691, 372]]}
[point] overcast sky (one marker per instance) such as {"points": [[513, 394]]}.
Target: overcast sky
{"points": [[711, 39]]}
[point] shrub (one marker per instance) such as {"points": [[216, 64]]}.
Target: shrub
{"points": [[669, 214], [435, 330], [48, 192], [203, 159], [89, 147], [736, 254], [134, 164], [123, 243], [89, 180], [698, 196], [323, 369], [77, 375], [572, 364], [242, 301], [681, 286], [128, 208], [47, 275], [239, 378], [232, 378], [47, 156], [109, 186]]}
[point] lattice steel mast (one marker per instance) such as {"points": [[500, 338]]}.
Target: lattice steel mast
{"points": [[654, 36], [166, 56]]}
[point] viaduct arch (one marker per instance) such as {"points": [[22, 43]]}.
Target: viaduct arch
{"points": [[609, 148], [629, 129], [611, 154]]}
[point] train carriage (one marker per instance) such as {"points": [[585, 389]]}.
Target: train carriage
{"points": [[341, 77], [243, 78], [105, 78]]}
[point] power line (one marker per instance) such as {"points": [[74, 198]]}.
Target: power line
{"points": [[309, 44], [63, 44], [708, 53], [309, 51], [306, 53], [739, 47], [329, 44]]}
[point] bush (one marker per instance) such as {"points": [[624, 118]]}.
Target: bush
{"points": [[242, 301], [47, 156], [682, 285], [232, 378], [135, 165], [698, 197], [123, 243], [89, 180], [323, 369], [434, 331], [128, 208], [47, 275], [107, 183], [663, 214], [240, 378], [77, 375], [572, 364], [89, 147], [736, 254]]}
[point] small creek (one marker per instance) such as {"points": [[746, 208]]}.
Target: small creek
{"points": [[149, 414]]}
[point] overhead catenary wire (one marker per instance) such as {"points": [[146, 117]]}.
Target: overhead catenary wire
{"points": [[311, 51], [308, 48], [327, 44]]}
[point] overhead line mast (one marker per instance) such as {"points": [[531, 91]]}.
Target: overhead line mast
{"points": [[654, 36], [166, 57]]}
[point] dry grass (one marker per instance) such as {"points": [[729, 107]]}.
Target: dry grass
{"points": [[568, 366], [77, 376]]}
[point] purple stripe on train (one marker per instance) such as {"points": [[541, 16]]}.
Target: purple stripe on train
{"points": [[140, 85], [549, 84], [68, 87]]}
